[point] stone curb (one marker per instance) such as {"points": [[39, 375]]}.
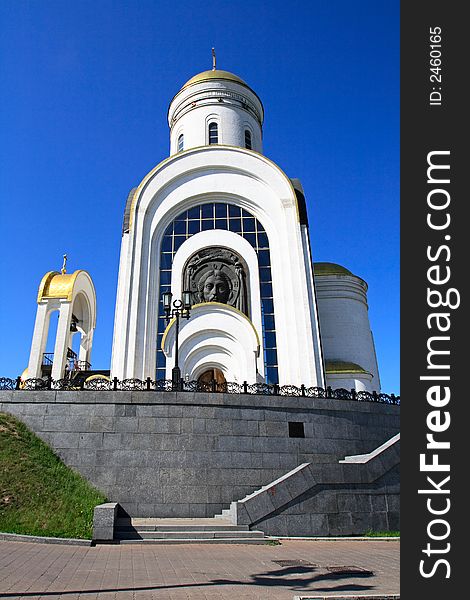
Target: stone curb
{"points": [[38, 539], [354, 597], [335, 539]]}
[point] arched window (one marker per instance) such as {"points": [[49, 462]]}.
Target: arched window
{"points": [[228, 217], [248, 139], [180, 142], [213, 133]]}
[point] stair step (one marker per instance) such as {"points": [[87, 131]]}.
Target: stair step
{"points": [[138, 530], [160, 524], [225, 514], [177, 522], [188, 535], [182, 540], [212, 527]]}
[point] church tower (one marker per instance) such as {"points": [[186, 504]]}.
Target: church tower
{"points": [[219, 221]]}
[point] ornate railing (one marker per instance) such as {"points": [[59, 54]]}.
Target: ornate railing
{"points": [[166, 385], [72, 363], [48, 359]]}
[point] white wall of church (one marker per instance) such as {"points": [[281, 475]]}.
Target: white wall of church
{"points": [[249, 180], [344, 323], [360, 382]]}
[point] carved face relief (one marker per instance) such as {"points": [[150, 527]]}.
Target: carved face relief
{"points": [[216, 287], [217, 275]]}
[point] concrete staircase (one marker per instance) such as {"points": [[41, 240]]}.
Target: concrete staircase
{"points": [[163, 531]]}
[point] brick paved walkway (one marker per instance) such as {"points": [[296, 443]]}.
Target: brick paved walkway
{"points": [[195, 571]]}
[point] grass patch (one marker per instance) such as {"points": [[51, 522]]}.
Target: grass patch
{"points": [[39, 495], [371, 533]]}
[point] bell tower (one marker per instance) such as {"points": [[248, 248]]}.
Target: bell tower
{"points": [[73, 296], [215, 107]]}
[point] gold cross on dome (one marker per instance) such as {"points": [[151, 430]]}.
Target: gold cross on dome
{"points": [[63, 271]]}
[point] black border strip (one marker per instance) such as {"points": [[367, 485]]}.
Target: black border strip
{"points": [[426, 128]]}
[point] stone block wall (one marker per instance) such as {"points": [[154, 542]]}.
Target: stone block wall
{"points": [[189, 454], [347, 509], [352, 497]]}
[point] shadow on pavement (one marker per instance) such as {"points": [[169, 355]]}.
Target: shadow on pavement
{"points": [[289, 577]]}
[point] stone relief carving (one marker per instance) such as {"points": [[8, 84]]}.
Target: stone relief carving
{"points": [[217, 275]]}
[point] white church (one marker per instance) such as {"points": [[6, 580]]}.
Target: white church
{"points": [[220, 233]]}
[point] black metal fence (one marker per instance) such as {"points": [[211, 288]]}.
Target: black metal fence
{"points": [[166, 385]]}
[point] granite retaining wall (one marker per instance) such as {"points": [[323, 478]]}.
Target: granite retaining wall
{"points": [[186, 454]]}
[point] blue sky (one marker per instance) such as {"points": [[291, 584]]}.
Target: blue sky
{"points": [[86, 87]]}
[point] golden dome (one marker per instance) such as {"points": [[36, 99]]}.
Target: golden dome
{"points": [[340, 366], [56, 285], [326, 268], [214, 74]]}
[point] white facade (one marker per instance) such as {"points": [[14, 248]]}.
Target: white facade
{"points": [[188, 205], [345, 329]]}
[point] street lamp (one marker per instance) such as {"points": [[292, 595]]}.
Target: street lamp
{"points": [[179, 309]]}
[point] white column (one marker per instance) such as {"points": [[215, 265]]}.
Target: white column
{"points": [[62, 339], [38, 345], [86, 342]]}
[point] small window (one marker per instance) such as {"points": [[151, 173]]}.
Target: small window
{"points": [[180, 143], [213, 133], [248, 139], [296, 429]]}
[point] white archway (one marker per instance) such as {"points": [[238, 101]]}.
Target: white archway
{"points": [[245, 179], [75, 298], [216, 336]]}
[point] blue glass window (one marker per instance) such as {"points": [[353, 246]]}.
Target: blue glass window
{"points": [[165, 278], [269, 322], [266, 290], [221, 224], [194, 213], [264, 259], [265, 274], [262, 240], [235, 225], [178, 240], [221, 211], [166, 260], [180, 227], [209, 216], [271, 356], [194, 227], [268, 305], [270, 339], [251, 238], [208, 211], [166, 243], [234, 211], [271, 375], [248, 225]]}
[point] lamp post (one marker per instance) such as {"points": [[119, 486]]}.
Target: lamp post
{"points": [[178, 309]]}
